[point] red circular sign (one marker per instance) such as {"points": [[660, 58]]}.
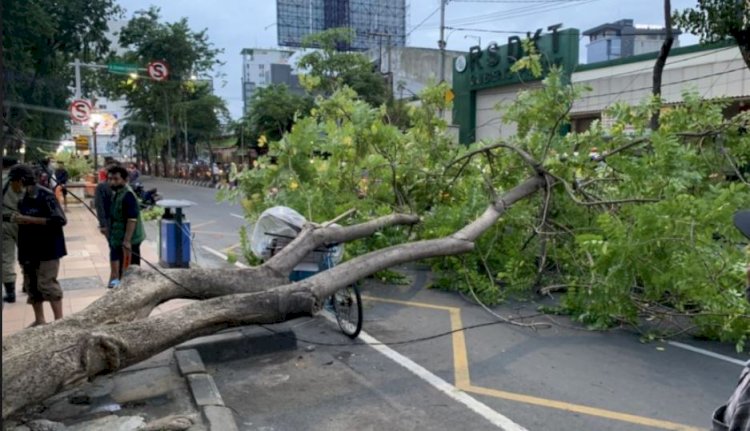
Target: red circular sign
{"points": [[80, 110], [158, 70]]}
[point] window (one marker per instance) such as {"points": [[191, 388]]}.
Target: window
{"points": [[261, 67]]}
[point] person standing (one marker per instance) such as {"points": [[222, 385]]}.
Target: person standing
{"points": [[134, 175], [10, 233], [126, 232], [61, 175], [102, 202], [45, 177], [233, 174], [41, 242]]}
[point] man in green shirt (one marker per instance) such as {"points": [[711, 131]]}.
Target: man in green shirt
{"points": [[126, 232]]}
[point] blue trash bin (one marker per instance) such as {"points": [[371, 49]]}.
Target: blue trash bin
{"points": [[174, 234]]}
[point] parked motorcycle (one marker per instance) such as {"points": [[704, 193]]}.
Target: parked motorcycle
{"points": [[147, 198]]}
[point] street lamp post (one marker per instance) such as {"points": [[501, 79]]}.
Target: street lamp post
{"points": [[94, 122], [478, 38]]}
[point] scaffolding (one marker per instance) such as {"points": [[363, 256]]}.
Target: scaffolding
{"points": [[299, 18]]}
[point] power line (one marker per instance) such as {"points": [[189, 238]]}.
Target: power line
{"points": [[486, 30], [422, 22], [518, 12], [514, 1]]}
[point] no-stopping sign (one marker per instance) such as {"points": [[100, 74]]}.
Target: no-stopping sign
{"points": [[158, 70], [80, 110]]}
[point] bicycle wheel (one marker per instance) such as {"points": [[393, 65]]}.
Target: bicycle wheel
{"points": [[347, 305]]}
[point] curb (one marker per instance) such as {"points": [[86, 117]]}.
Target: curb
{"points": [[205, 392], [196, 183]]}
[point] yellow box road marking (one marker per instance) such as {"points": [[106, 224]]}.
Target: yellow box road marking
{"points": [[577, 408], [463, 380]]}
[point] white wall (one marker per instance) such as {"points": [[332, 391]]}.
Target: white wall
{"points": [[715, 73], [489, 119], [414, 67]]}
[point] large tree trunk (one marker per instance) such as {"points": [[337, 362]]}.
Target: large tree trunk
{"points": [[661, 61], [115, 331]]}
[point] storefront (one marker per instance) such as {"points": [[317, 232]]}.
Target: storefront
{"points": [[482, 80]]}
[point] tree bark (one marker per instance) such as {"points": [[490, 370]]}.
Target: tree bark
{"points": [[116, 331], [661, 61]]}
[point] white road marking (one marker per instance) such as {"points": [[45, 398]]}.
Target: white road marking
{"points": [[223, 256], [441, 385], [237, 215], [707, 353], [451, 391]]}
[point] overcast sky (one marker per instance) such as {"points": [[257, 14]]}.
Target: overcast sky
{"points": [[237, 24]]}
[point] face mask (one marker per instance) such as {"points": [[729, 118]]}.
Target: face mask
{"points": [[118, 187]]}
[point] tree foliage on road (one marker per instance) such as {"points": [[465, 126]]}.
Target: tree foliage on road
{"points": [[39, 39], [715, 20], [642, 230], [179, 109]]}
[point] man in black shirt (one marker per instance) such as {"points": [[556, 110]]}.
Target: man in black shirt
{"points": [[61, 175], [41, 242]]}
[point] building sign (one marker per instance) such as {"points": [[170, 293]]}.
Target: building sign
{"points": [[490, 67]]}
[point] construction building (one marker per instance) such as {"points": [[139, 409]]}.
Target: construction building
{"points": [[375, 23]]}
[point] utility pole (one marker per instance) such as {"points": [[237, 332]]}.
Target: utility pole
{"points": [[242, 143], [441, 42], [77, 65]]}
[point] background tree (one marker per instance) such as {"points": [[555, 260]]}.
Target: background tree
{"points": [[273, 110], [39, 39], [715, 20], [180, 109], [661, 61], [329, 68]]}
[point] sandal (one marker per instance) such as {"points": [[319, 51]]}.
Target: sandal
{"points": [[113, 284]]}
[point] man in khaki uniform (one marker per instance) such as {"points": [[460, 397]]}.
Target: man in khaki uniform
{"points": [[10, 233]]}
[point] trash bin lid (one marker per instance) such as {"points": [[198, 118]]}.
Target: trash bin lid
{"points": [[175, 203]]}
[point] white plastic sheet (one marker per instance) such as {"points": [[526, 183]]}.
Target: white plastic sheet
{"points": [[286, 222], [276, 221]]}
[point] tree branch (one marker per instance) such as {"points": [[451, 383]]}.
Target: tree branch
{"points": [[524, 155]]}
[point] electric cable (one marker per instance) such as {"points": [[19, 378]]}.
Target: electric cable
{"points": [[406, 341]]}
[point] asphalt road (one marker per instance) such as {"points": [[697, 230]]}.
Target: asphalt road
{"points": [[558, 378]]}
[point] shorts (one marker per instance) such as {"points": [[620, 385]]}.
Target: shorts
{"points": [[40, 281], [116, 254]]}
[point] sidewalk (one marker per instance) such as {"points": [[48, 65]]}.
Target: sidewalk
{"points": [[84, 272]]}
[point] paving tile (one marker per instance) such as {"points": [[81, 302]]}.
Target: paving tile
{"points": [[87, 257], [12, 325], [77, 264], [74, 273]]}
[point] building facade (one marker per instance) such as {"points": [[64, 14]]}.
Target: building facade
{"points": [[622, 39], [257, 65], [374, 22], [484, 86], [411, 69]]}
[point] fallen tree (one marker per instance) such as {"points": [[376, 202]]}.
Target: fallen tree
{"points": [[597, 217], [115, 331]]}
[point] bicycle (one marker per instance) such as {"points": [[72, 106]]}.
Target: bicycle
{"points": [[345, 303]]}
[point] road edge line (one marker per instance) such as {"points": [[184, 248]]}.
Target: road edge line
{"points": [[707, 353], [441, 385], [223, 256]]}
